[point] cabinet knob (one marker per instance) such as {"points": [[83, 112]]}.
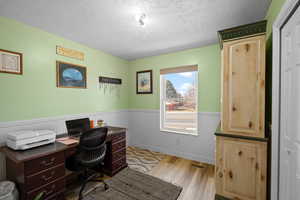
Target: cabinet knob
{"points": [[250, 124], [220, 174], [230, 174], [233, 108], [247, 47]]}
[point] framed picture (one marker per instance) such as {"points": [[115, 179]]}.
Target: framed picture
{"points": [[144, 82], [70, 75], [11, 62]]}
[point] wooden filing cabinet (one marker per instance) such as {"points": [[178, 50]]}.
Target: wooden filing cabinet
{"points": [[42, 169], [115, 160], [241, 143], [42, 173]]}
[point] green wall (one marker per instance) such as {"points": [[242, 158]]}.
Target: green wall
{"points": [[273, 11], [208, 60], [34, 94]]}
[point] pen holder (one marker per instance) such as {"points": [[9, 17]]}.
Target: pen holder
{"points": [[91, 123]]}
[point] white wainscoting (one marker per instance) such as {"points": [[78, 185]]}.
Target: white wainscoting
{"points": [[144, 128], [114, 118], [143, 131]]}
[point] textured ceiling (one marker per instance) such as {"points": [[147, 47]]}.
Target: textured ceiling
{"points": [[110, 25]]}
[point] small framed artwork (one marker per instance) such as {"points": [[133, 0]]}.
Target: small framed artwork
{"points": [[70, 75], [11, 62], [144, 82]]}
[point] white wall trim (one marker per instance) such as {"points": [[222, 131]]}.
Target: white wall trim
{"points": [[144, 110], [157, 110], [55, 118], [279, 22]]}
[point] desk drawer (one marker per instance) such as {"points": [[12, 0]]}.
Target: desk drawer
{"points": [[56, 196], [49, 190], [118, 137], [117, 146], [39, 164], [70, 151], [118, 154], [119, 164], [37, 180]]}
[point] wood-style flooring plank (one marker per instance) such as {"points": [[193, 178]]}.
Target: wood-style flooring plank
{"points": [[197, 179]]}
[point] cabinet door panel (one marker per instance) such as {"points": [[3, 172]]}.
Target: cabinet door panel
{"points": [[241, 169], [243, 95]]}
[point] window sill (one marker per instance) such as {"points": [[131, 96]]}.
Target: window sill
{"points": [[194, 133]]}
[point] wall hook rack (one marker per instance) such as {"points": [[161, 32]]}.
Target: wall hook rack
{"points": [[109, 80]]}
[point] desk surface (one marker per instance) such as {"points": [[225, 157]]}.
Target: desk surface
{"points": [[22, 156]]}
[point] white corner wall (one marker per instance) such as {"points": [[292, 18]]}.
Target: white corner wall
{"points": [[145, 132]]}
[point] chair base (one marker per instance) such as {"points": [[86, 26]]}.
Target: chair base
{"points": [[92, 178]]}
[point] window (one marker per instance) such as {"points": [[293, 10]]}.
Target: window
{"points": [[178, 99]]}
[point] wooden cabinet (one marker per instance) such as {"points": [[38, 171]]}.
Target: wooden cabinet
{"points": [[243, 85], [38, 170], [241, 168], [241, 149]]}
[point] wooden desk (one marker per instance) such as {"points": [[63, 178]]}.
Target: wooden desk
{"points": [[42, 169]]}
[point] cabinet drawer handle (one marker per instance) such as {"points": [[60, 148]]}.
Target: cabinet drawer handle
{"points": [[46, 193], [49, 177], [51, 162]]}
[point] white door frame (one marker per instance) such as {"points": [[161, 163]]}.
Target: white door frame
{"points": [[287, 10]]}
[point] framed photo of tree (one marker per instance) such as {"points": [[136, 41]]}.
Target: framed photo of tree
{"points": [[144, 83]]}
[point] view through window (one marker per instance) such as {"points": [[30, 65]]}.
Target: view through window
{"points": [[179, 101]]}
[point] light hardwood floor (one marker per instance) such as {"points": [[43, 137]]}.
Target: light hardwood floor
{"points": [[197, 179]]}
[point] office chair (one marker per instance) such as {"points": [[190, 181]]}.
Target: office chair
{"points": [[89, 156]]}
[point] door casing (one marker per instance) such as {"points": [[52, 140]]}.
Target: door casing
{"points": [[286, 12]]}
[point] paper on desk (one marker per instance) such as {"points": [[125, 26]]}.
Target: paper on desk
{"points": [[67, 140]]}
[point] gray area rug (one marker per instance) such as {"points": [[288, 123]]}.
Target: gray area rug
{"points": [[133, 185]]}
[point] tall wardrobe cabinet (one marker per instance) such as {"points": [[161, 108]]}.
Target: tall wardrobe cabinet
{"points": [[241, 144]]}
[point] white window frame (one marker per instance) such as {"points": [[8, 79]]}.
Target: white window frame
{"points": [[162, 108]]}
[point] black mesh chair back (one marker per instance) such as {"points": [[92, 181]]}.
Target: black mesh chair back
{"points": [[92, 147], [90, 155]]}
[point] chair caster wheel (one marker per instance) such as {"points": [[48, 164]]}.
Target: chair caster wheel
{"points": [[106, 187]]}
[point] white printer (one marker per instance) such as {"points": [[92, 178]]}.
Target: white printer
{"points": [[22, 140]]}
